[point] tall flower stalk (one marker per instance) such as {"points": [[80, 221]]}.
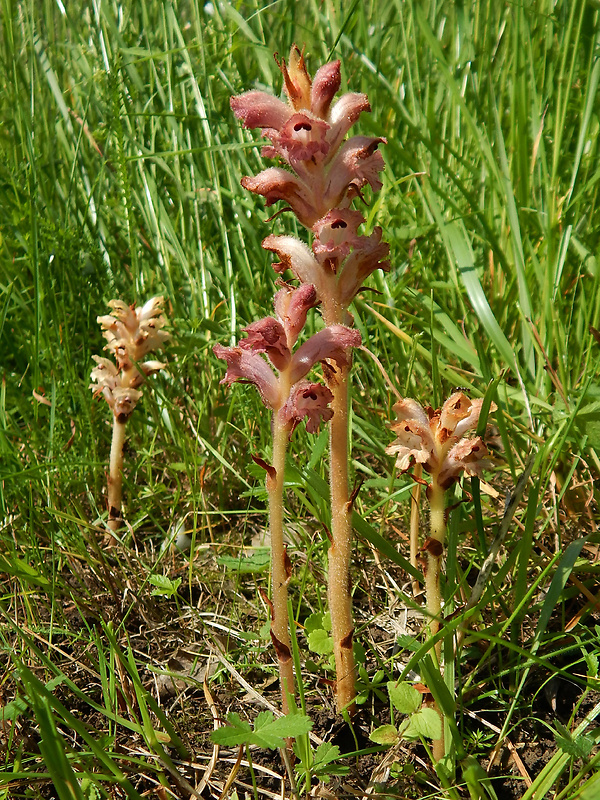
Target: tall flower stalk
{"points": [[131, 334], [291, 398], [323, 175], [435, 442]]}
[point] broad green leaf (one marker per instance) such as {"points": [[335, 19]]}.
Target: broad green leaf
{"points": [[579, 747], [426, 722], [268, 732], [257, 562], [164, 585], [317, 620], [405, 698], [385, 734], [319, 641]]}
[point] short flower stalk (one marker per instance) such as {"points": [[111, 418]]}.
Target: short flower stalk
{"points": [[324, 173], [435, 442], [131, 334]]}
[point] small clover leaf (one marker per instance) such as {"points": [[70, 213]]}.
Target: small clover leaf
{"points": [[319, 641], [425, 722], [164, 585]]}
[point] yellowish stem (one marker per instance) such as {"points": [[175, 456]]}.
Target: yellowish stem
{"points": [[340, 550], [339, 595], [115, 475], [279, 567], [435, 550], [414, 525]]}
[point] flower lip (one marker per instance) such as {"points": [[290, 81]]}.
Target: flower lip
{"points": [[268, 336], [326, 84], [333, 342], [292, 306], [260, 110], [308, 401]]}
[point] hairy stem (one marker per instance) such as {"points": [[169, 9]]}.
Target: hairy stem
{"points": [[435, 550], [415, 497], [340, 550], [115, 475], [280, 571]]}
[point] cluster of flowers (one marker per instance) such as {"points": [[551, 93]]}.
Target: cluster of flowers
{"points": [[324, 174], [131, 334]]}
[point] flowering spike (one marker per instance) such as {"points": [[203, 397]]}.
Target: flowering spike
{"points": [[436, 440]]}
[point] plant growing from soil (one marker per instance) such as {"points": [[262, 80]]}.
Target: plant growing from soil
{"points": [[327, 173], [436, 441], [131, 334]]}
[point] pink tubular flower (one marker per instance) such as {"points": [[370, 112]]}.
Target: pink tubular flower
{"points": [[250, 367], [292, 306], [333, 343], [310, 401], [268, 336], [435, 438]]}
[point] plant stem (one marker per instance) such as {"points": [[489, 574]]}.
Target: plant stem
{"points": [[437, 532], [435, 550], [340, 550], [415, 497], [115, 475], [279, 564]]}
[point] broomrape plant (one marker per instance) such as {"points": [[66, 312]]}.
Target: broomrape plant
{"points": [[131, 334], [435, 440], [291, 398], [323, 174]]}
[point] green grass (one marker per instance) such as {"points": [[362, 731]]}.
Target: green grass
{"points": [[120, 163]]}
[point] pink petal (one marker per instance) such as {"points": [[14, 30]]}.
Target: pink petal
{"points": [[260, 110], [151, 367], [292, 306], [302, 138], [469, 456], [310, 401], [244, 365], [333, 342], [357, 164], [279, 184], [125, 401], [297, 257], [456, 408], [344, 114], [326, 85], [268, 336], [407, 408], [414, 444], [336, 234], [368, 255]]}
